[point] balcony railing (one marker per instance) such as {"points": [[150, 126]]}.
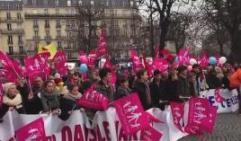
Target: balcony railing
{"points": [[36, 38], [12, 20], [13, 31]]}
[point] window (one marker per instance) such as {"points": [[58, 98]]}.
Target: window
{"points": [[46, 24], [34, 2], [21, 49], [10, 50], [20, 39], [58, 32], [19, 16], [59, 44], [8, 15], [46, 11], [58, 25], [9, 27], [35, 33], [10, 39], [47, 33]]}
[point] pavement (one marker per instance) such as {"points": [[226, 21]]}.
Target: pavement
{"points": [[227, 128]]}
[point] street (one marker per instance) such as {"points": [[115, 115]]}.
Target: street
{"points": [[228, 128]]}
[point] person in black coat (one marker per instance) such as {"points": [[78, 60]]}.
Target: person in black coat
{"points": [[141, 86], [171, 85], [155, 88], [68, 102], [34, 104], [122, 88]]}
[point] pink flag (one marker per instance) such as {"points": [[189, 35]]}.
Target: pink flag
{"points": [[92, 59], [32, 131], [209, 124], [177, 114], [136, 61], [131, 114], [93, 100], [37, 66], [59, 61], [150, 134], [108, 64], [183, 57], [83, 58], [160, 64], [11, 69], [112, 79], [203, 60], [201, 116], [101, 48]]}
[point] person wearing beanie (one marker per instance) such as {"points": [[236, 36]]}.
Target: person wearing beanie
{"points": [[11, 99]]}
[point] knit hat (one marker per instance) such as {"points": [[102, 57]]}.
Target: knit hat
{"points": [[7, 86]]}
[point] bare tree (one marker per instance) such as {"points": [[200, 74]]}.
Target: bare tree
{"points": [[226, 14], [164, 10]]}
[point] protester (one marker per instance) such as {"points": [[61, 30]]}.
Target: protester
{"points": [[49, 98], [183, 86], [12, 99], [123, 88], [68, 101], [155, 88], [213, 81], [141, 86], [34, 97], [103, 85]]}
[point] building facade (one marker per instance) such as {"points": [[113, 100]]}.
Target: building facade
{"points": [[11, 28], [72, 25]]}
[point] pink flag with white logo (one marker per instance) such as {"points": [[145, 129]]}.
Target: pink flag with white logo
{"points": [[203, 60], [160, 64], [131, 114], [177, 114], [150, 134], [136, 61], [93, 99], [11, 69], [33, 131], [102, 47], [37, 66], [59, 61], [201, 116], [92, 59], [183, 57]]}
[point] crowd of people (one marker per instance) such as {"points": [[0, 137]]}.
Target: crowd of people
{"points": [[58, 95]]}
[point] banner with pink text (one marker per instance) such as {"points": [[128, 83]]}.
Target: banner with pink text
{"points": [[105, 126]]}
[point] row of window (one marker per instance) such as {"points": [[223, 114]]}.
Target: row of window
{"points": [[19, 15], [10, 50], [10, 39]]}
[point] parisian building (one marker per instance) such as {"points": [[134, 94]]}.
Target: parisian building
{"points": [[72, 25]]}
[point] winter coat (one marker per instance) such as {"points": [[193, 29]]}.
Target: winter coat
{"points": [[121, 92], [107, 91], [140, 88], [183, 87], [50, 102]]}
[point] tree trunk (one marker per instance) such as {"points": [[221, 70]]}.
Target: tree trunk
{"points": [[163, 33], [235, 55]]}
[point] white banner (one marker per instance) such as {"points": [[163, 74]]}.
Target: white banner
{"points": [[105, 126], [230, 103]]}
